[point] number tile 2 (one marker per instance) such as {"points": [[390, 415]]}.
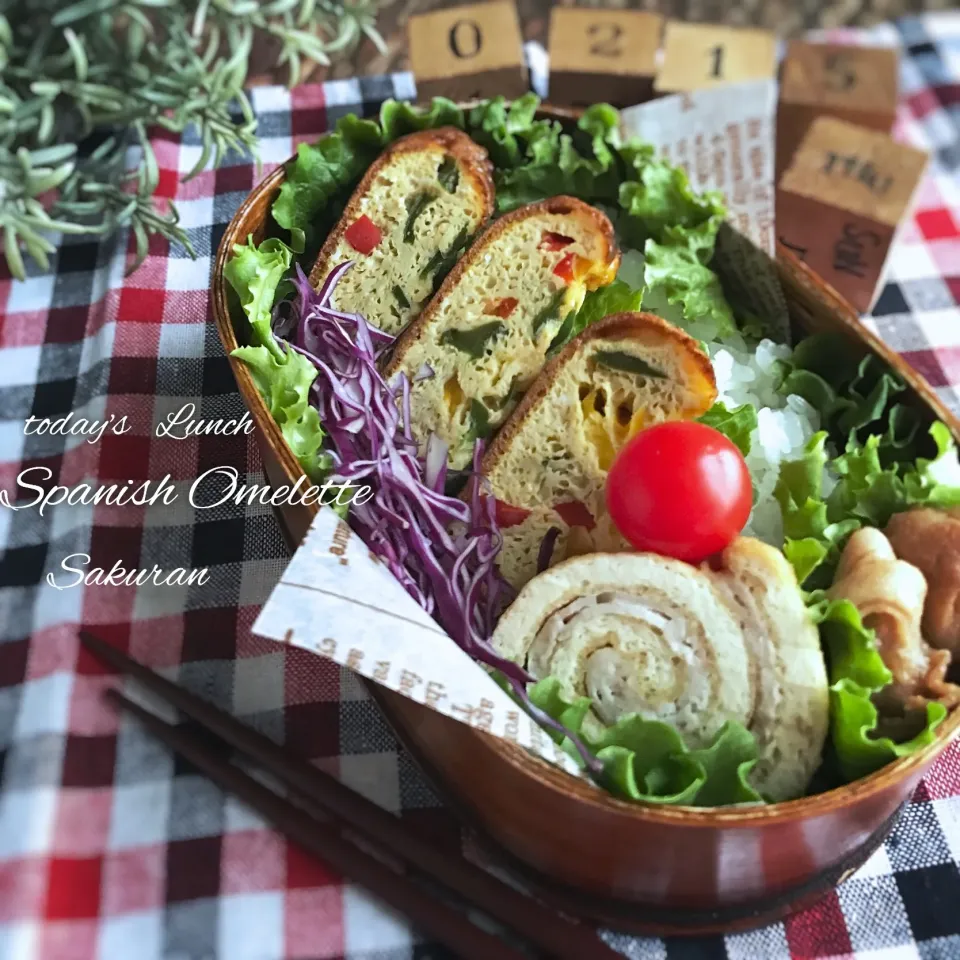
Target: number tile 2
{"points": [[697, 56], [604, 56], [841, 200], [857, 84], [467, 52]]}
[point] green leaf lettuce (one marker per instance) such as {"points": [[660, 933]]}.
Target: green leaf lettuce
{"points": [[867, 493], [736, 424], [854, 394], [647, 760], [255, 273], [398, 118], [284, 379], [677, 267], [282, 375], [618, 297], [661, 196], [321, 175], [857, 672]]}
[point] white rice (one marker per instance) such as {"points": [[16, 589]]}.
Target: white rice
{"points": [[747, 374], [784, 423]]}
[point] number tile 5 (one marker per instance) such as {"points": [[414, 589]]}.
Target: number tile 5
{"points": [[604, 56], [856, 84], [466, 52], [697, 56]]}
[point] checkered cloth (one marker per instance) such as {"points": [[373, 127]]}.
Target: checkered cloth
{"points": [[112, 848]]}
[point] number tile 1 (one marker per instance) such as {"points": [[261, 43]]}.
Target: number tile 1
{"points": [[841, 200], [604, 56], [467, 52], [857, 84], [697, 56]]}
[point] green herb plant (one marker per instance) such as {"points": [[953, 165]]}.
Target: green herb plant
{"points": [[82, 81]]}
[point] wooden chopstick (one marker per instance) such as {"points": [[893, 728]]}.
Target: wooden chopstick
{"points": [[432, 916], [552, 932]]}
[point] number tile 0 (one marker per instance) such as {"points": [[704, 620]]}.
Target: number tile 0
{"points": [[697, 56], [606, 56], [467, 52]]}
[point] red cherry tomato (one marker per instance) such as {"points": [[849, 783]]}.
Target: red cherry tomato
{"points": [[564, 269], [681, 489], [509, 516], [363, 234], [575, 514], [554, 241]]}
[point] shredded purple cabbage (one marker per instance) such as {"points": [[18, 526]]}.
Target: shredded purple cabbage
{"points": [[442, 549]]}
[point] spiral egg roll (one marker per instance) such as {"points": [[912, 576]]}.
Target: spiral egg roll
{"points": [[645, 634]]}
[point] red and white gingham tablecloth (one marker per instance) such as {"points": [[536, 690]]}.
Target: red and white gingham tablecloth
{"points": [[109, 847]]}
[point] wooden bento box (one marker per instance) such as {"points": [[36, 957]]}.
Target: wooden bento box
{"points": [[665, 870]]}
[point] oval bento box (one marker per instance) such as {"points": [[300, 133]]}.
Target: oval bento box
{"points": [[664, 870]]}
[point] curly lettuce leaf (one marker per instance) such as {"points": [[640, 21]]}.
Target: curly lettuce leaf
{"points": [[852, 647], [855, 396], [850, 404], [678, 230], [799, 490], [321, 175], [727, 763], [867, 493], [647, 761], [853, 717], [501, 127], [661, 196], [283, 378], [535, 159], [255, 273], [736, 425], [618, 297], [398, 118], [812, 541], [873, 494], [805, 555], [676, 267], [601, 124], [936, 482], [558, 172], [857, 671], [546, 694]]}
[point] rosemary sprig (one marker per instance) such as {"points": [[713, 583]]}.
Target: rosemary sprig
{"points": [[81, 83]]}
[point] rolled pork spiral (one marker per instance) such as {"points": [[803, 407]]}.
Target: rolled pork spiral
{"points": [[890, 595], [640, 633]]}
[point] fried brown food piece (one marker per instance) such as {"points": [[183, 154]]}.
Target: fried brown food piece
{"points": [[930, 540], [890, 595]]}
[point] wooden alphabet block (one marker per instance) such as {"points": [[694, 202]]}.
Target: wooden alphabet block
{"points": [[697, 56], [602, 56], [857, 84], [468, 52], [841, 200]]}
